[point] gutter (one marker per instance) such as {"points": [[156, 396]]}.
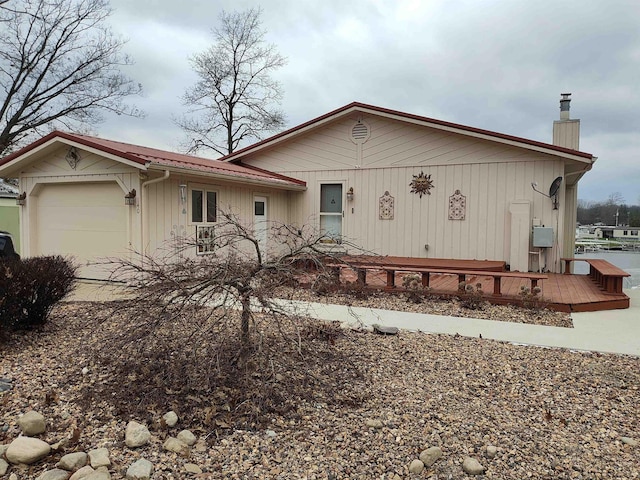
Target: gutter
{"points": [[231, 178]]}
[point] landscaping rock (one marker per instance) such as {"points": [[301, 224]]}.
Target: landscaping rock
{"points": [[192, 468], [492, 451], [4, 466], [140, 470], [99, 458], [172, 444], [170, 418], [32, 423], [629, 441], [3, 448], [27, 450], [374, 423], [56, 474], [136, 435], [5, 384], [382, 330], [73, 461], [98, 476], [82, 473], [430, 456], [471, 466], [188, 438], [416, 467]]}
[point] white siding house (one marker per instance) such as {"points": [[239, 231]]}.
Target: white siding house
{"points": [[391, 182], [478, 201], [76, 188]]}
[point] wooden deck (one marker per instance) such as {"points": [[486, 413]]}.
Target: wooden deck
{"points": [[561, 292]]}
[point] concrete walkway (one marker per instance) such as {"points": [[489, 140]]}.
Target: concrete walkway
{"points": [[608, 331]]}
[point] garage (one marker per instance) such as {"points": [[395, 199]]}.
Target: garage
{"points": [[85, 220]]}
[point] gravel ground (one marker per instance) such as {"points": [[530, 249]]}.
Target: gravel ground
{"points": [[550, 413]]}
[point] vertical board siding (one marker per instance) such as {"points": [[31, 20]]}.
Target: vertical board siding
{"points": [[484, 234], [166, 222]]}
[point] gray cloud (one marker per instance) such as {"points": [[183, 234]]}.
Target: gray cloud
{"points": [[499, 65]]}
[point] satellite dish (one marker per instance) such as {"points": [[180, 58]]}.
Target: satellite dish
{"points": [[555, 186]]}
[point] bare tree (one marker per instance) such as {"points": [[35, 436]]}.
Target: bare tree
{"points": [[235, 97], [59, 65], [237, 274]]}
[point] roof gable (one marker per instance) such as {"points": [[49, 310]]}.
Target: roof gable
{"points": [[413, 119]]}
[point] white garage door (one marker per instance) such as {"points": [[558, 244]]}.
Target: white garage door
{"points": [[85, 220]]}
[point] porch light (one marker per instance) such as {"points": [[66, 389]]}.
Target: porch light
{"points": [[183, 193], [350, 194], [130, 198], [21, 199]]}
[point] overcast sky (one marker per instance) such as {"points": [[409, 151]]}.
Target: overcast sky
{"points": [[494, 64]]}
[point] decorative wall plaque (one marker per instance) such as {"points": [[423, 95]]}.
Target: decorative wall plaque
{"points": [[386, 207], [73, 157], [457, 206], [421, 184]]}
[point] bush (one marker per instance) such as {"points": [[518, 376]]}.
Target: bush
{"points": [[30, 288], [414, 290], [471, 297]]}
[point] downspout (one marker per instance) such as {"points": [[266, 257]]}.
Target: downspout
{"points": [[145, 197]]}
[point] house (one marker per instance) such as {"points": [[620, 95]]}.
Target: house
{"points": [[406, 185], [391, 182], [9, 212], [95, 199]]}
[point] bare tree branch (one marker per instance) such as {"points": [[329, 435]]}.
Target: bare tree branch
{"points": [[59, 64], [235, 98]]}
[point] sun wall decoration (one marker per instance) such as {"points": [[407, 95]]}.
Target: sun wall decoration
{"points": [[421, 184]]}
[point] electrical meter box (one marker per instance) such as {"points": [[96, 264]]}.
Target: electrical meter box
{"points": [[542, 237]]}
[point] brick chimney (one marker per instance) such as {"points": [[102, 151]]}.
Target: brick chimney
{"points": [[566, 132]]}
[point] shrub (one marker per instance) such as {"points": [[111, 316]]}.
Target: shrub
{"points": [[30, 288], [414, 290], [531, 298], [471, 297]]}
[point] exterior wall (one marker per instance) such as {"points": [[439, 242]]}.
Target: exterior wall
{"points": [[490, 175], [10, 220], [627, 233], [168, 218], [55, 169]]}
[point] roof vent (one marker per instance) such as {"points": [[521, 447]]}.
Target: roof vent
{"points": [[360, 132]]}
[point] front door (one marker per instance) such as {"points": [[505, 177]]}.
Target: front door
{"points": [[260, 223]]}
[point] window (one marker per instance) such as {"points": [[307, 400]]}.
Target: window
{"points": [[331, 210], [204, 204]]}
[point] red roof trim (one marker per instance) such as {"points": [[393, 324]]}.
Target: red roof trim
{"points": [[151, 156], [387, 111], [277, 175]]}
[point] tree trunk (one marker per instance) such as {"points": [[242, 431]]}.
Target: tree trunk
{"points": [[245, 317]]}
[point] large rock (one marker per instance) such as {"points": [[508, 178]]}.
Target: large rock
{"points": [[471, 466], [99, 458], [32, 423], [136, 435], [140, 470], [73, 461], [4, 466], [172, 444], [82, 473], [27, 450], [98, 476], [185, 436], [56, 474], [416, 467], [170, 418], [430, 455]]}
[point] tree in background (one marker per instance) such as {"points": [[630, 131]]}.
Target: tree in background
{"points": [[235, 98], [59, 66], [613, 210]]}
